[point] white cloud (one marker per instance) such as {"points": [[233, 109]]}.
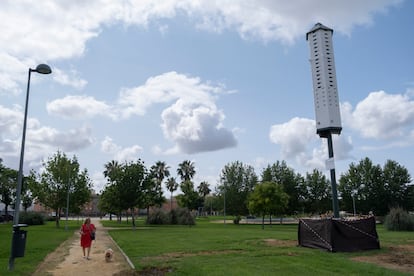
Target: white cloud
{"points": [[45, 31], [118, 153], [158, 89], [99, 181], [293, 136], [72, 140], [192, 122], [280, 20], [41, 141], [80, 107], [298, 141], [163, 89], [9, 119], [196, 127], [381, 115], [71, 78]]}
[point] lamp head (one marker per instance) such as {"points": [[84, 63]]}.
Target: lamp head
{"points": [[43, 69]]}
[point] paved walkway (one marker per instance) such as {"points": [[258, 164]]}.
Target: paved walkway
{"points": [[67, 260]]}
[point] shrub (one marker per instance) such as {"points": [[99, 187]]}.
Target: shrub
{"points": [[173, 216], [184, 217], [399, 220], [157, 217], [31, 218], [180, 216]]}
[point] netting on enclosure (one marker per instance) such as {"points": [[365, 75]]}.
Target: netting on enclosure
{"points": [[339, 235]]}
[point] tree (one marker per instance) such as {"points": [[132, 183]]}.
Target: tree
{"points": [[364, 182], [172, 186], [152, 194], [130, 186], [315, 192], [112, 170], [62, 176], [203, 189], [189, 198], [236, 182], [160, 171], [8, 180], [27, 195], [109, 201], [397, 185], [279, 172], [268, 198], [374, 188], [186, 170]]}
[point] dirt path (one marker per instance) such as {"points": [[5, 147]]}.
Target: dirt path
{"points": [[68, 259]]}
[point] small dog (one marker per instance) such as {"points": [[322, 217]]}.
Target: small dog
{"points": [[109, 253]]}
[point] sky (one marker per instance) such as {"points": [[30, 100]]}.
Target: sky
{"points": [[212, 82]]}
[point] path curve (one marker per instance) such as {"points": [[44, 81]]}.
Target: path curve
{"points": [[67, 259]]}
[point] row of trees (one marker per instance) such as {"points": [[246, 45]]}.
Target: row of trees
{"points": [[131, 185], [59, 180], [278, 190], [371, 187]]}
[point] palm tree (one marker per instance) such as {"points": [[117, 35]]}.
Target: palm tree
{"points": [[186, 170], [111, 170], [161, 170], [204, 189], [172, 186]]}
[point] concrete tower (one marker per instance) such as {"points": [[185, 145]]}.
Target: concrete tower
{"points": [[328, 117]]}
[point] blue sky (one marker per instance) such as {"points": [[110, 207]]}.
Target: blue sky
{"points": [[208, 81]]}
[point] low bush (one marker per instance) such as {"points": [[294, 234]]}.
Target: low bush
{"points": [[399, 220], [184, 217], [157, 217], [180, 216], [31, 218]]}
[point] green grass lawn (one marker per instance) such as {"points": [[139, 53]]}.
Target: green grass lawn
{"points": [[206, 249], [217, 249], [41, 240]]}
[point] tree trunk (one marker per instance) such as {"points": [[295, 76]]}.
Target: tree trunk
{"points": [[263, 222], [57, 215], [133, 221]]}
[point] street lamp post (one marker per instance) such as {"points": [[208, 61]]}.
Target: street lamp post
{"points": [[67, 203], [42, 69], [353, 194], [224, 209]]}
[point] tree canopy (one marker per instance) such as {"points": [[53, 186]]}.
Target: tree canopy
{"points": [[268, 198], [129, 185], [237, 181], [8, 180], [374, 188], [62, 176], [279, 172]]}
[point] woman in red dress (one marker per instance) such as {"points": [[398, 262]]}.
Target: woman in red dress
{"points": [[86, 241]]}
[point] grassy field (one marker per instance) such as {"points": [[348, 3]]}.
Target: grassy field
{"points": [[40, 241], [218, 249], [207, 249]]}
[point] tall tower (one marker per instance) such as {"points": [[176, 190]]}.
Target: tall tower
{"points": [[325, 92], [328, 117]]}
